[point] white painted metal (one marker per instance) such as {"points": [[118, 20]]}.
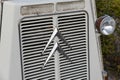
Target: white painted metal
{"points": [[97, 35], [10, 64]]}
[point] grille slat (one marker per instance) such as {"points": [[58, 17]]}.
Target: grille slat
{"points": [[73, 16], [66, 62], [35, 58], [37, 35], [80, 76], [76, 52], [72, 65], [68, 34], [71, 26], [72, 23], [76, 36], [32, 19], [38, 70], [74, 59], [73, 72], [36, 62], [34, 53], [43, 25], [37, 32], [33, 39], [38, 77], [36, 65], [74, 28], [29, 48], [70, 20], [37, 21]]}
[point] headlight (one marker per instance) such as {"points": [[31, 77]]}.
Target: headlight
{"points": [[105, 25]]}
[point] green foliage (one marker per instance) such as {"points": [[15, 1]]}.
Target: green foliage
{"points": [[111, 44], [107, 44], [112, 8]]}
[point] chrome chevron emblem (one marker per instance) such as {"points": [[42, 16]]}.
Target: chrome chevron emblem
{"points": [[56, 33]]}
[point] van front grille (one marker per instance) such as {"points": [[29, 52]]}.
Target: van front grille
{"points": [[35, 33]]}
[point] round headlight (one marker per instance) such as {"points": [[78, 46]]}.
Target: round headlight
{"points": [[105, 25]]}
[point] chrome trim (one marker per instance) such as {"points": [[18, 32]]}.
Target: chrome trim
{"points": [[56, 33]]}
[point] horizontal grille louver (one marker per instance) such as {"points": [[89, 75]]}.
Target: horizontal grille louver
{"points": [[74, 29], [34, 34]]}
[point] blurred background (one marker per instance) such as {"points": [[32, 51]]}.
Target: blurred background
{"points": [[111, 44]]}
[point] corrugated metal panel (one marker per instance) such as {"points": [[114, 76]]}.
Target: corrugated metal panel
{"points": [[74, 28], [34, 34]]}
